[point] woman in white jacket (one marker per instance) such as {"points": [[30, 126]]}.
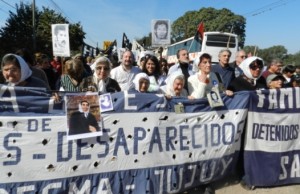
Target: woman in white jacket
{"points": [[202, 82]]}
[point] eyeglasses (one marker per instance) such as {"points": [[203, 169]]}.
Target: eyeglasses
{"points": [[255, 67], [102, 68]]}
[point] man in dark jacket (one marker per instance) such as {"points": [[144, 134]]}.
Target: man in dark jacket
{"points": [[83, 121]]}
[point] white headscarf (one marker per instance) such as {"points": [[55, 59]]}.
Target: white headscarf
{"points": [[169, 89], [98, 60], [101, 83], [136, 80], [25, 70], [246, 69]]}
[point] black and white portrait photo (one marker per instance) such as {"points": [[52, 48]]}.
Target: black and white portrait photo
{"points": [[60, 40], [160, 32]]}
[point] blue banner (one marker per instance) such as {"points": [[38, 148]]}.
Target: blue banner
{"points": [[146, 146], [272, 146]]}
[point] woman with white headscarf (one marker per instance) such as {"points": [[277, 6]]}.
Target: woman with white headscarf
{"points": [[175, 86], [141, 82], [100, 81], [16, 72], [251, 78]]}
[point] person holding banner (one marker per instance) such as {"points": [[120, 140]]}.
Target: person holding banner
{"points": [[183, 66], [175, 86], [141, 82], [275, 81], [83, 121], [201, 83], [252, 78], [100, 79], [16, 72], [74, 75]]}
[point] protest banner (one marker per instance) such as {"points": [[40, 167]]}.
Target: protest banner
{"points": [[145, 146], [272, 143]]}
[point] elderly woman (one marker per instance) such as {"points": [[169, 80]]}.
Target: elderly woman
{"points": [[152, 69], [252, 78], [175, 86], [275, 81], [141, 82], [16, 72], [100, 80], [202, 82]]}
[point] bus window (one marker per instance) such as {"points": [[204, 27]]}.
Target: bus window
{"points": [[221, 41]]}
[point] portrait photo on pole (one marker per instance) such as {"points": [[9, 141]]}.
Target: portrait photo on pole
{"points": [[160, 32], [60, 40], [83, 115]]}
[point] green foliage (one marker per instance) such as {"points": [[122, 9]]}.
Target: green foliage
{"points": [[18, 31], [214, 20]]}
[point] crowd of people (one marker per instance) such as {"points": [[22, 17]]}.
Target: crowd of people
{"points": [[149, 75], [80, 74]]}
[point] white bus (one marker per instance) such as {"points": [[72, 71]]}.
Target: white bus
{"points": [[212, 43]]}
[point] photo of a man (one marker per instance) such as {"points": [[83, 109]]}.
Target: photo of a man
{"points": [[83, 116], [60, 39], [160, 32], [83, 121]]}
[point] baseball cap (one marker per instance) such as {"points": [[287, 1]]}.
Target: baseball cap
{"points": [[273, 77]]}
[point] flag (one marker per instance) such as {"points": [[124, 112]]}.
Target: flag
{"points": [[110, 48], [125, 42], [137, 46], [200, 31]]}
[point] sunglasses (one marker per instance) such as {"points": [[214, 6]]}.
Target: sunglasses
{"points": [[255, 67]]}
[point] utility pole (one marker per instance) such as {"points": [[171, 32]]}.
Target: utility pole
{"points": [[33, 26]]}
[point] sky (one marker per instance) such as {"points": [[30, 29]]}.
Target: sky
{"points": [[268, 22]]}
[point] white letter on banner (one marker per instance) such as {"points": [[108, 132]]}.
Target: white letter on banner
{"points": [[177, 179], [284, 160], [204, 169], [295, 168], [273, 104], [225, 164], [2, 191], [289, 93], [12, 99], [85, 189], [101, 186], [25, 189], [51, 186], [163, 105], [126, 101], [193, 168], [261, 98], [161, 179], [297, 96]]}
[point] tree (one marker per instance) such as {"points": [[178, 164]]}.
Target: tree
{"points": [[17, 33], [214, 20]]}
